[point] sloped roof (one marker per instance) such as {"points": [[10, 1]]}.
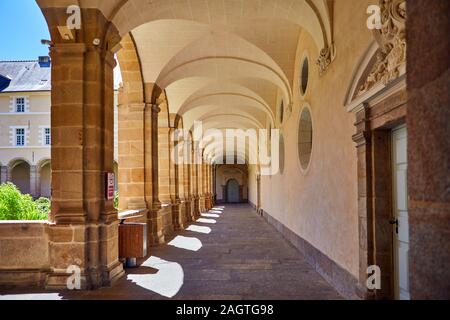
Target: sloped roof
{"points": [[24, 76]]}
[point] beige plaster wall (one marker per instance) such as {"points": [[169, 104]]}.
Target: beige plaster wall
{"points": [[320, 205], [252, 186], [37, 117]]}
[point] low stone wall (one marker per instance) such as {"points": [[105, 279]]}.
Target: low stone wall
{"points": [[24, 253]]}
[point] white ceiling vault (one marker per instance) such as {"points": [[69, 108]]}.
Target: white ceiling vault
{"points": [[225, 62]]}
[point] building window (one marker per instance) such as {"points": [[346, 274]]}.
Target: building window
{"points": [[304, 76], [20, 105], [20, 137], [305, 138], [47, 137]]}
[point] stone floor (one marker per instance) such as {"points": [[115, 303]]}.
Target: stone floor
{"points": [[230, 253]]}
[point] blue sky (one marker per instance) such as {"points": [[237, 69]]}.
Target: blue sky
{"points": [[22, 26]]}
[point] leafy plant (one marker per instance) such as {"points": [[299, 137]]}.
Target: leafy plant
{"points": [[116, 200], [43, 206], [16, 206]]}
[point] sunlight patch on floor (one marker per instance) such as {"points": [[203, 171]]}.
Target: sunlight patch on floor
{"points": [[210, 221], [167, 282], [210, 215], [199, 229], [29, 297], [188, 243]]}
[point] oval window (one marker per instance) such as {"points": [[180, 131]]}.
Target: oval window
{"points": [[305, 138], [304, 77]]}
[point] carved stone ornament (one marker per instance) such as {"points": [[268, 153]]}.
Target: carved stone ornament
{"points": [[324, 60], [391, 58]]}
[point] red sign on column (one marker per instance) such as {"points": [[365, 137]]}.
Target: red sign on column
{"points": [[110, 185]]}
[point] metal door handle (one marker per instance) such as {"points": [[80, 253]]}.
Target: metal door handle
{"points": [[395, 222]]}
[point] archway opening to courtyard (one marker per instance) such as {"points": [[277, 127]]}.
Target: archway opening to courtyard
{"points": [[21, 175], [45, 179], [222, 70]]}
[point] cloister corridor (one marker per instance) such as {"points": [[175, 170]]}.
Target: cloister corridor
{"points": [[230, 253], [323, 122]]}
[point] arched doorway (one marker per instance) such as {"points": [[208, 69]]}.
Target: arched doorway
{"points": [[233, 191], [20, 176], [45, 180]]}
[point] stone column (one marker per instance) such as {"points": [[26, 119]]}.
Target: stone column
{"points": [[164, 174], [3, 174], [188, 192], [201, 181], [131, 154], [155, 223], [178, 219], [196, 184], [188, 181], [85, 229], [34, 181], [210, 192], [181, 191], [428, 88]]}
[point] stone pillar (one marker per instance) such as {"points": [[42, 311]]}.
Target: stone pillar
{"points": [[428, 78], [196, 183], [178, 214], [188, 181], [210, 192], [155, 224], [85, 229], [181, 190], [33, 180], [164, 172], [201, 181], [258, 193], [131, 154], [188, 192], [3, 174]]}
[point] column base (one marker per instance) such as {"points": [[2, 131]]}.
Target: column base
{"points": [[58, 280], [179, 216], [155, 235]]}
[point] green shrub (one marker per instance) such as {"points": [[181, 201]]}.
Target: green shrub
{"points": [[16, 206], [43, 206], [116, 200]]}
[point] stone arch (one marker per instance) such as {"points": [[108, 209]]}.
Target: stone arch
{"points": [[127, 15], [131, 70], [19, 173], [44, 178]]}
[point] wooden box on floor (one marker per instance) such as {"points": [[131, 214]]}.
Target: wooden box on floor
{"points": [[132, 240]]}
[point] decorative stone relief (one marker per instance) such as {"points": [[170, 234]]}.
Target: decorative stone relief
{"points": [[324, 60], [391, 58]]}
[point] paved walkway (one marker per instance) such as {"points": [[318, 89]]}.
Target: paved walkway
{"points": [[230, 253]]}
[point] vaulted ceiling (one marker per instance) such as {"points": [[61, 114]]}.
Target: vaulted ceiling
{"points": [[228, 63]]}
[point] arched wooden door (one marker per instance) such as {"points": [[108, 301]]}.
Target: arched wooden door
{"points": [[233, 191]]}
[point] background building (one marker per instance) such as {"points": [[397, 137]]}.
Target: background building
{"points": [[25, 131]]}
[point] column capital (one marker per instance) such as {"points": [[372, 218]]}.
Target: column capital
{"points": [[71, 49], [155, 108]]}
